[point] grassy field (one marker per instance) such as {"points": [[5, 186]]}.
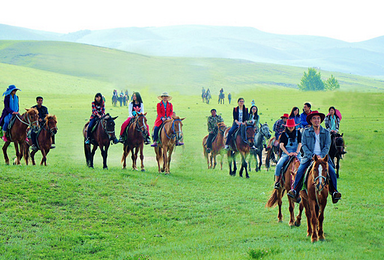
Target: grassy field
{"points": [[66, 210]]}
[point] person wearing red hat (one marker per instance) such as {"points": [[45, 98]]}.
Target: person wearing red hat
{"points": [[303, 117], [315, 140], [290, 145], [279, 125]]}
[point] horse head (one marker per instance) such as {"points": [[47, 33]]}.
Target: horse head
{"points": [[320, 172], [51, 122], [264, 129], [250, 134], [108, 124], [32, 117], [141, 124], [177, 127], [339, 143], [221, 126]]}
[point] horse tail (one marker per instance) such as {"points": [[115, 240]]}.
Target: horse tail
{"points": [[273, 199]]}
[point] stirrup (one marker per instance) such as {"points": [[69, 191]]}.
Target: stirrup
{"points": [[277, 185]]}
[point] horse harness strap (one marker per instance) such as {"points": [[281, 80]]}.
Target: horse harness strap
{"points": [[174, 133]]}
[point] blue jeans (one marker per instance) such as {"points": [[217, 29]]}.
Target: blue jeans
{"points": [[301, 171], [230, 133], [90, 126], [281, 162], [155, 133]]}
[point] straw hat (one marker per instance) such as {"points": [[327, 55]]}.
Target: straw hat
{"points": [[164, 94]]}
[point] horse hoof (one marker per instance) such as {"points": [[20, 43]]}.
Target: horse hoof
{"points": [[297, 224], [143, 170]]}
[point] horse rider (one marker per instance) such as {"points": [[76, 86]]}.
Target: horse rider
{"points": [[303, 116], [290, 145], [164, 111], [279, 126], [202, 93], [332, 121], [11, 107], [240, 116], [98, 111], [135, 107], [213, 120], [315, 140], [254, 118], [295, 114], [229, 98], [43, 112]]}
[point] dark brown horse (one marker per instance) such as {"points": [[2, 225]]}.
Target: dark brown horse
{"points": [[100, 137], [170, 134], [44, 140], [273, 152], [135, 135], [18, 134], [217, 147], [239, 146], [314, 199], [337, 150], [285, 185]]}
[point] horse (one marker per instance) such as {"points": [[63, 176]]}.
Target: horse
{"points": [[286, 182], [44, 139], [207, 96], [100, 137], [336, 150], [135, 135], [314, 198], [217, 147], [114, 100], [221, 98], [239, 146], [273, 152], [263, 133], [170, 134], [18, 134]]}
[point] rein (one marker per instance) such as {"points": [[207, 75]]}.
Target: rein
{"points": [[29, 123], [103, 122], [173, 133], [142, 129]]}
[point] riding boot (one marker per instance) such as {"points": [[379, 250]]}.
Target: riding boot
{"points": [[277, 183], [121, 140]]}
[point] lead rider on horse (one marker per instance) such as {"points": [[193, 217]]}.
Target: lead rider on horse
{"points": [[11, 107], [315, 140], [213, 120]]}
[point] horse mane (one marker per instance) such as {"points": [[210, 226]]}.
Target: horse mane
{"points": [[48, 116], [32, 109]]}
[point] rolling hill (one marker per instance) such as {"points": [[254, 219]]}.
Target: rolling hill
{"points": [[186, 75], [361, 58]]}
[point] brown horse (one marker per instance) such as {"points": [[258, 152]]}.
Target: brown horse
{"points": [[18, 134], [217, 147], [44, 140], [135, 136], [314, 199], [100, 137], [239, 146], [337, 150], [171, 133], [285, 185], [273, 152]]}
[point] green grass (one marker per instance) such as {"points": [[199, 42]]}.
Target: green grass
{"points": [[66, 210]]}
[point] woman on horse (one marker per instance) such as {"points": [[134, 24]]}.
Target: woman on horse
{"points": [[254, 117], [135, 107], [11, 107], [290, 144], [98, 111], [164, 112], [240, 115], [332, 121], [295, 115]]}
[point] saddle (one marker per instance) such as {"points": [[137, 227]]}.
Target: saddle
{"points": [[285, 166], [125, 133]]}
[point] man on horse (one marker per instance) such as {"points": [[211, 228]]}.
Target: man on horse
{"points": [[290, 145], [11, 107], [213, 120], [315, 140], [43, 112], [303, 116]]}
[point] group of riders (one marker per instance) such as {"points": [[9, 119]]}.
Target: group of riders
{"points": [[11, 111], [206, 96], [299, 135], [136, 107]]}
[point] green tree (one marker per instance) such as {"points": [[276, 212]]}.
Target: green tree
{"points": [[332, 83], [311, 81]]}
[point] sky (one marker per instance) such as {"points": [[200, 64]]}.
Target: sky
{"points": [[346, 20]]}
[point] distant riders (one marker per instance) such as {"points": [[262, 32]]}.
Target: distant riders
{"points": [[213, 120]]}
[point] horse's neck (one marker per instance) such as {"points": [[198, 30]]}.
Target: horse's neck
{"points": [[20, 121], [259, 138]]}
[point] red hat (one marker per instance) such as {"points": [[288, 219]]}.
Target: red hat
{"points": [[285, 115], [291, 123], [315, 113]]}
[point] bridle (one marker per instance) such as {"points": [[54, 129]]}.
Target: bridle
{"points": [[29, 122], [322, 180], [143, 128], [52, 130], [104, 124], [178, 134]]}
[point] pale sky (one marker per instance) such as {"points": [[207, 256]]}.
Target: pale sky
{"points": [[340, 19]]}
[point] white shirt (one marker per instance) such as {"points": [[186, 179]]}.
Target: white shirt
{"points": [[130, 108], [240, 115], [317, 149]]}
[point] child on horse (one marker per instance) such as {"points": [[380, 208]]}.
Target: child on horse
{"points": [[134, 108], [315, 140], [11, 107], [290, 144], [240, 116], [164, 112], [98, 111]]}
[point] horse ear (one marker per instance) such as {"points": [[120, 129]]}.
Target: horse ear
{"points": [[145, 113], [182, 118], [315, 158], [342, 135], [326, 158], [113, 118], [26, 109]]}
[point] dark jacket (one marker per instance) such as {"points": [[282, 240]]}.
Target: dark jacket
{"points": [[236, 114], [43, 112]]}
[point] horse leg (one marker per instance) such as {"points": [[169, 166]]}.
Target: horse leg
{"points": [[244, 165], [206, 155], [18, 157], [298, 217], [134, 157], [104, 152], [314, 220], [337, 166], [260, 156], [214, 160], [165, 160], [292, 212], [26, 153], [229, 156], [142, 157], [234, 164], [124, 157], [279, 203], [44, 159], [5, 146], [169, 159], [33, 157], [92, 154], [321, 220]]}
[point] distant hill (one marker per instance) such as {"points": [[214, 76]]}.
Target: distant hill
{"points": [[122, 69], [361, 58]]}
